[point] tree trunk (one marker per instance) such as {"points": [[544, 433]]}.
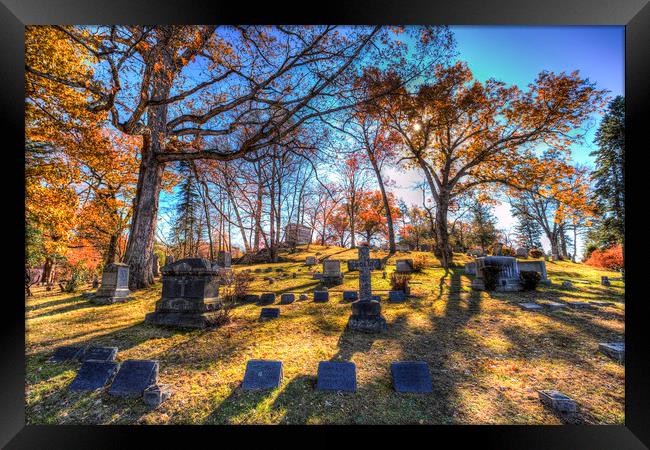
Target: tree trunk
{"points": [[384, 197], [111, 251], [443, 250]]}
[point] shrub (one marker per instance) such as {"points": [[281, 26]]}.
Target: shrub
{"points": [[490, 276], [420, 262], [535, 253], [610, 258], [529, 279], [399, 281], [508, 251], [78, 276]]}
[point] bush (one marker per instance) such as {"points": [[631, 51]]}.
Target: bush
{"points": [[490, 276], [78, 277], [508, 251], [535, 253], [420, 262], [237, 286], [610, 258], [399, 281], [529, 279]]}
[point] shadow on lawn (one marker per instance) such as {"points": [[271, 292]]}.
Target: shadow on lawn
{"points": [[71, 304]]}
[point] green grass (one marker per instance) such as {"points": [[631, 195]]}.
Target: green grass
{"points": [[487, 357]]}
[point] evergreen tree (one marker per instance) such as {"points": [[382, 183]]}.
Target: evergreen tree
{"points": [[527, 230], [188, 228], [483, 225]]}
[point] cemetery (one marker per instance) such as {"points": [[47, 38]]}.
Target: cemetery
{"points": [[297, 351]]}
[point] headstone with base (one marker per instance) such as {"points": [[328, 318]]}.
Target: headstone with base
{"points": [[67, 353], [404, 266], [286, 299], [115, 285], [535, 266], [224, 259], [411, 376], [321, 296], [134, 377], [99, 354], [332, 272], [615, 350], [94, 375], [154, 395], [366, 312], [269, 313], [558, 401], [337, 376], [190, 295], [262, 374], [503, 268]]}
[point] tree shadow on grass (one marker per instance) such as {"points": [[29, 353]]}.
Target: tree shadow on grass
{"points": [[71, 304], [238, 404]]}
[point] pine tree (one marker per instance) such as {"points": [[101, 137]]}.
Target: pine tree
{"points": [[483, 225], [187, 230], [527, 230]]}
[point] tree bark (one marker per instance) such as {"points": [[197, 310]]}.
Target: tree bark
{"points": [[384, 196]]}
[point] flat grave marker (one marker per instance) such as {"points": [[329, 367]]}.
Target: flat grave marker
{"points": [[287, 299], [602, 303], [553, 305], [94, 375], [269, 313], [134, 376], [99, 354], [558, 401], [340, 376], [350, 296], [530, 306], [66, 353], [251, 298], [321, 296], [267, 298], [615, 350], [262, 374], [396, 296], [156, 394], [411, 376], [579, 305]]}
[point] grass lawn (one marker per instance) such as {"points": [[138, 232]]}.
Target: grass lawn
{"points": [[487, 356]]}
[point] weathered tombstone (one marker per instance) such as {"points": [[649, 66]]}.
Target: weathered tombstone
{"points": [[269, 313], [156, 394], [317, 276], [530, 306], [615, 350], [535, 266], [258, 270], [404, 266], [601, 303], [169, 259], [133, 377], [66, 353], [470, 268], [567, 284], [604, 280], [403, 248], [579, 305], [411, 376], [350, 296], [115, 285], [505, 270], [286, 299], [558, 401], [99, 354], [310, 261], [251, 298], [262, 374], [94, 375], [353, 264], [553, 305], [267, 298], [156, 265], [336, 376], [366, 312], [521, 252], [190, 295], [224, 259], [396, 296], [497, 249], [321, 296], [332, 272], [303, 297]]}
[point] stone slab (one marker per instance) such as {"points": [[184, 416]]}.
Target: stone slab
{"points": [[411, 376], [66, 353], [530, 306], [154, 395], [553, 305], [337, 376], [99, 354], [350, 296], [251, 298], [579, 305], [262, 374], [134, 376], [287, 299], [396, 296], [267, 298], [269, 313], [94, 375], [615, 350], [558, 401], [321, 296]]}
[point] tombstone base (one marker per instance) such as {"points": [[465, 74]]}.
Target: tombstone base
{"points": [[110, 297], [332, 280], [184, 319], [366, 316], [503, 285]]}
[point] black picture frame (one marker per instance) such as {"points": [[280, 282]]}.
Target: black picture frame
{"points": [[633, 14]]}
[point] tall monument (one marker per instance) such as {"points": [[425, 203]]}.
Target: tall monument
{"points": [[366, 312]]}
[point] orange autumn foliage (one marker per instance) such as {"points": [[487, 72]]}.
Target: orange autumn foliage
{"points": [[610, 258]]}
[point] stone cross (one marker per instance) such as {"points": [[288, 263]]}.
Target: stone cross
{"points": [[365, 266], [183, 282]]}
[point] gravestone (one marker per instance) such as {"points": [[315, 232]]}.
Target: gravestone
{"points": [[190, 295], [530, 306], [156, 394], [258, 270], [94, 375], [521, 252], [317, 276], [558, 401], [403, 248], [601, 303], [336, 376], [567, 284], [99, 354], [286, 299], [553, 305], [269, 313], [224, 259], [321, 296], [251, 298], [353, 264], [262, 374], [169, 260], [332, 272], [366, 312], [505, 270], [404, 266], [268, 270], [156, 265], [115, 285], [350, 296], [396, 296], [579, 305], [66, 353], [267, 298], [133, 377], [470, 268], [535, 266], [310, 261], [615, 350], [411, 376], [303, 297], [604, 280]]}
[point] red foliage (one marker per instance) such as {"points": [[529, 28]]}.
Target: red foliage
{"points": [[610, 258]]}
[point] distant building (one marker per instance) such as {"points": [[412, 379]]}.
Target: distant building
{"points": [[296, 234]]}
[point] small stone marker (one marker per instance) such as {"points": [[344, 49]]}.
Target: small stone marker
{"points": [[337, 376], [66, 353], [321, 296], [286, 299], [396, 296], [558, 401], [615, 350], [262, 374], [94, 375], [579, 305], [567, 284], [268, 270], [332, 272], [303, 297], [269, 313], [156, 394], [404, 266], [553, 305], [99, 354], [317, 276], [604, 280], [601, 303], [310, 261], [350, 296], [258, 270], [134, 376], [411, 376], [251, 298], [267, 298], [530, 306]]}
